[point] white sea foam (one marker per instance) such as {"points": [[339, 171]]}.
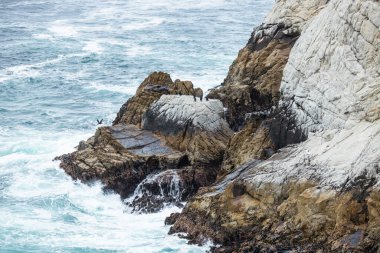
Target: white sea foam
{"points": [[42, 36], [177, 5], [3, 78], [155, 21], [137, 50], [62, 29], [114, 88], [32, 70], [93, 47]]}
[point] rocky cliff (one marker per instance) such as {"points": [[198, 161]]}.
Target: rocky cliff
{"points": [[321, 195], [283, 156]]}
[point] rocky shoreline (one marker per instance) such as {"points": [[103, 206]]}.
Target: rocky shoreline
{"points": [[283, 156]]}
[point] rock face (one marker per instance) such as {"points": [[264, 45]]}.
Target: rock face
{"points": [[121, 156], [178, 149], [321, 195], [254, 78], [151, 89], [197, 128]]}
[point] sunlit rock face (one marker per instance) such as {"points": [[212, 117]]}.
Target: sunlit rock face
{"points": [[320, 195]]}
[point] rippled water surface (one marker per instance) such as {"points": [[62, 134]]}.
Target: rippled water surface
{"points": [[63, 64]]}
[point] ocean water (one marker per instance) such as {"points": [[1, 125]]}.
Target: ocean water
{"points": [[64, 64]]}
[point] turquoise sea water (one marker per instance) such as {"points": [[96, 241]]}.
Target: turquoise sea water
{"points": [[63, 64]]}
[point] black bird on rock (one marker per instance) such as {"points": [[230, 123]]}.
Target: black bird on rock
{"points": [[198, 93]]}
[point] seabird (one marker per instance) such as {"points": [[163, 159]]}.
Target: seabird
{"points": [[99, 121]]}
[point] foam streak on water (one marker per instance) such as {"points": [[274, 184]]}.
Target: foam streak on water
{"points": [[63, 64]]}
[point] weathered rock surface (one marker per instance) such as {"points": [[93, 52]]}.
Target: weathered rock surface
{"points": [[321, 195], [151, 89], [254, 78], [251, 90], [332, 78], [120, 157], [197, 128], [179, 149]]}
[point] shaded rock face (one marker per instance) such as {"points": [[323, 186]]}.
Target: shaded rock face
{"points": [[261, 137], [251, 92], [253, 81], [320, 195], [151, 89]]}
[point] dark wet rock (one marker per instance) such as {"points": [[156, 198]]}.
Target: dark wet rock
{"points": [[120, 157], [160, 189], [172, 218]]}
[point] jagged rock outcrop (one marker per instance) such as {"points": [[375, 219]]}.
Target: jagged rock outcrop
{"points": [[120, 157], [151, 89], [321, 195], [253, 80], [181, 142], [251, 90]]}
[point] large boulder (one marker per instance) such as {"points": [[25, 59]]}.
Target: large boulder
{"points": [[196, 127]]}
